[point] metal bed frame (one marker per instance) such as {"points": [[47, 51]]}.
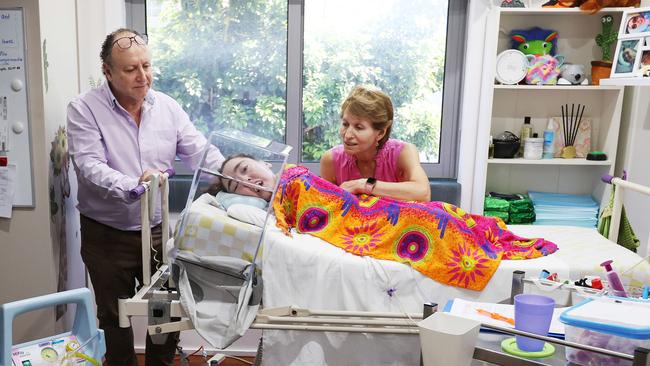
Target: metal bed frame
{"points": [[161, 303]]}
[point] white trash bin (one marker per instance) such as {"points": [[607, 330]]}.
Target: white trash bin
{"points": [[448, 339]]}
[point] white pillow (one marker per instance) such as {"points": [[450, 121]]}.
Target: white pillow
{"points": [[226, 199], [248, 214]]}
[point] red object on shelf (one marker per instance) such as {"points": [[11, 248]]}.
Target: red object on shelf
{"points": [[3, 161], [597, 284]]}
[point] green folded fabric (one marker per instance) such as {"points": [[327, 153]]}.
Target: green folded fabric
{"points": [[500, 214], [495, 204], [524, 204], [522, 218]]}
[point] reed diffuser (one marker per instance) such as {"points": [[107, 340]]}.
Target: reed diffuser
{"points": [[570, 126]]}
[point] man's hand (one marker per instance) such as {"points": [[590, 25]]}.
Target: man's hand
{"points": [[148, 175], [356, 186]]}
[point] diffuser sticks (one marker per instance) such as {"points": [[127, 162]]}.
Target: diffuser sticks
{"points": [[571, 125]]}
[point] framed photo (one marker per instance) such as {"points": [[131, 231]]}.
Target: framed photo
{"points": [[635, 23], [643, 66], [626, 57]]}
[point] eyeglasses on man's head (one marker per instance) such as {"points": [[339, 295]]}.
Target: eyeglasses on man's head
{"points": [[127, 42]]}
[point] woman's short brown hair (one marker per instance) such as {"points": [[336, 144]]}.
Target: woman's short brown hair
{"points": [[373, 104]]}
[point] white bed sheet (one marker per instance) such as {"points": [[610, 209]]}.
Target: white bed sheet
{"points": [[308, 272]]}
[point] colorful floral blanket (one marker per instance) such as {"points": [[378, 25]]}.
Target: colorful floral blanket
{"points": [[438, 239]]}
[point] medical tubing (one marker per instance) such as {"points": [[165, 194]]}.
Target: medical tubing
{"points": [[140, 188], [77, 352], [388, 281], [647, 257]]}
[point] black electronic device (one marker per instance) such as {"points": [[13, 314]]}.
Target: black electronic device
{"points": [[597, 155]]}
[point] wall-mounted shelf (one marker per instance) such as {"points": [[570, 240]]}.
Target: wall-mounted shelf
{"points": [[557, 11], [559, 87], [638, 81], [555, 161]]}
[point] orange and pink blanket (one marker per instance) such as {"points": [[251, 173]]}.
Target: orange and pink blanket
{"points": [[438, 239]]}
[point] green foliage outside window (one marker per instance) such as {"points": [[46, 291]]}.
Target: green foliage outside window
{"points": [[225, 62]]}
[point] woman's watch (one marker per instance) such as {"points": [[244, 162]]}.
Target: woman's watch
{"points": [[370, 184]]}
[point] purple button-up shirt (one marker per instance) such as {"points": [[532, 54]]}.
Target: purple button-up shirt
{"points": [[110, 152]]}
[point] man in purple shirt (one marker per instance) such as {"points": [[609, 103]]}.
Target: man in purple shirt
{"points": [[120, 134]]}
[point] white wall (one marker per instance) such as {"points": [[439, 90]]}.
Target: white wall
{"points": [[26, 264], [59, 46]]}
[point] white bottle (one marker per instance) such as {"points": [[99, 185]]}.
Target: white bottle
{"points": [[549, 140], [533, 147]]}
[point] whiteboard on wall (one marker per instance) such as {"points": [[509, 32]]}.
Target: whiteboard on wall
{"points": [[15, 129]]}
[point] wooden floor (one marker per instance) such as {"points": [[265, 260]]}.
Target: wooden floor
{"points": [[200, 361]]}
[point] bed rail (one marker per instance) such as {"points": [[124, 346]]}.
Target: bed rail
{"points": [[147, 192], [618, 203]]}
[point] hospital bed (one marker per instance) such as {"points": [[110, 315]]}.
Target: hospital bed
{"points": [[307, 272]]}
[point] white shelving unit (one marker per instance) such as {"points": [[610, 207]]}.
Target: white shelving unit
{"points": [[503, 107], [640, 81]]}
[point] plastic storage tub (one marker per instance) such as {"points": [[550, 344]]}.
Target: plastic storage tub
{"points": [[610, 323]]}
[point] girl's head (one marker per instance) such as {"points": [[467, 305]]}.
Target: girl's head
{"points": [[246, 168], [366, 119]]}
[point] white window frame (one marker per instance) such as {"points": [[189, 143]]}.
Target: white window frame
{"points": [[452, 91]]}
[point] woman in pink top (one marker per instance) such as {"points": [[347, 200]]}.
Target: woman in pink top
{"points": [[368, 161]]}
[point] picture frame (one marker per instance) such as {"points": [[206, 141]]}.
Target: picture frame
{"points": [[635, 23], [626, 57], [642, 67]]}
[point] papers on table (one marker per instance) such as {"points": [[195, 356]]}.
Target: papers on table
{"points": [[468, 309]]}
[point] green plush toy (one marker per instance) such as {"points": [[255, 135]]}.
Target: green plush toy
{"points": [[534, 41], [607, 37]]}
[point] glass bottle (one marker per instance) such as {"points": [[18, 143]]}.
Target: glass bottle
{"points": [[526, 132]]}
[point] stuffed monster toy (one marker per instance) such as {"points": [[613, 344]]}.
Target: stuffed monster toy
{"points": [[534, 41], [607, 37]]}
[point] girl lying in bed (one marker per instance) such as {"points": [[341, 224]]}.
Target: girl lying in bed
{"points": [[438, 239]]}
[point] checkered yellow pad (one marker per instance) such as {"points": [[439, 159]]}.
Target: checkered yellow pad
{"points": [[209, 231]]}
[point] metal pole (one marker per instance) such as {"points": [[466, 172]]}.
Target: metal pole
{"points": [[584, 347]]}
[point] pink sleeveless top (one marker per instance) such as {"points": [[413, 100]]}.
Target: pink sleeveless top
{"points": [[386, 163]]}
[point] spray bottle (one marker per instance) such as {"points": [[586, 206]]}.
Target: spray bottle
{"points": [[615, 285], [549, 137]]}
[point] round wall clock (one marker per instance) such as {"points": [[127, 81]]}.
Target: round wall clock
{"points": [[512, 66]]}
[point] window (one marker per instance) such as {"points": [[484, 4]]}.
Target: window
{"points": [[223, 61], [396, 45], [281, 69]]}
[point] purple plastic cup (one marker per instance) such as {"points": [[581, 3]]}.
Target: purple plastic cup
{"points": [[533, 314]]}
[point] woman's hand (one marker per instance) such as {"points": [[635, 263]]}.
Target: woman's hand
{"points": [[356, 186]]}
